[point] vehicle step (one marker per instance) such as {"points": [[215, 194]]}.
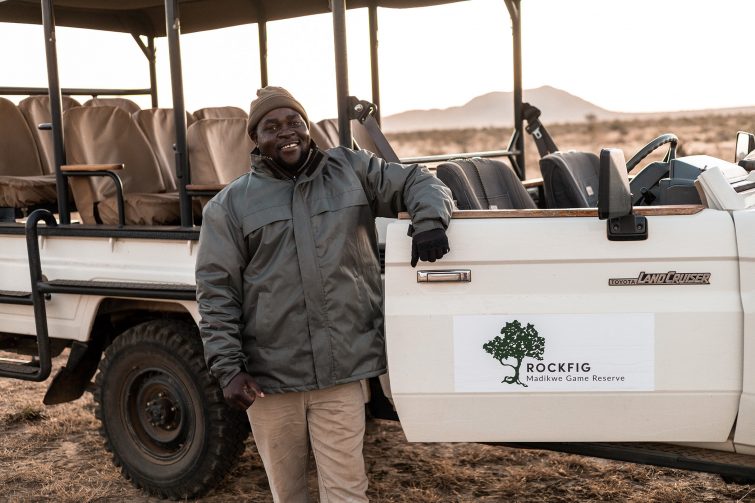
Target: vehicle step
{"points": [[24, 368], [180, 291], [669, 455], [14, 297], [688, 452]]}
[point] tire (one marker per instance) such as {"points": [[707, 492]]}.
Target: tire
{"points": [[162, 414], [738, 479]]}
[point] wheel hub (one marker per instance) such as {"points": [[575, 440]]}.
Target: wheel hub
{"points": [[158, 413], [163, 412]]}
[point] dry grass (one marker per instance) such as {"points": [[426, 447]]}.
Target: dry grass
{"points": [[56, 454], [712, 135]]}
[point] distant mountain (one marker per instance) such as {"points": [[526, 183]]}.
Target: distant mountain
{"points": [[496, 110]]}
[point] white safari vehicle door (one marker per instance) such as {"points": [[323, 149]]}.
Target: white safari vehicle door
{"points": [[537, 328]]}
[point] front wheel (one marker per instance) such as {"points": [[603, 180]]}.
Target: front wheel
{"points": [[163, 415]]}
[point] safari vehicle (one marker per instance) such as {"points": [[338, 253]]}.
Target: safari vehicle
{"points": [[613, 331]]}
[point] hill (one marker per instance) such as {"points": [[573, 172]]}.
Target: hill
{"points": [[495, 109]]}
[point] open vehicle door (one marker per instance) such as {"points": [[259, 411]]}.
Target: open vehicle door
{"points": [[547, 331]]}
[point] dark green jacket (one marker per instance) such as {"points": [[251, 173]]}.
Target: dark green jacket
{"points": [[288, 278]]}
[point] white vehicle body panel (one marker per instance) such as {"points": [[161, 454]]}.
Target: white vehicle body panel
{"points": [[91, 259], [744, 436], [561, 266]]}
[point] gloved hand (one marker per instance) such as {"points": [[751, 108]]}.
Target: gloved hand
{"points": [[429, 246]]}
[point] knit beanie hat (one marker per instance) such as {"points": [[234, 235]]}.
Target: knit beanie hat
{"points": [[269, 98]]}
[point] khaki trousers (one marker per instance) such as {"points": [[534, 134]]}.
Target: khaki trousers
{"points": [[331, 421]]}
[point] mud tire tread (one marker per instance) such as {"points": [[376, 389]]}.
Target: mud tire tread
{"points": [[227, 429]]}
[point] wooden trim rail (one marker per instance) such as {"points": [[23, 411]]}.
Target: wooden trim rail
{"points": [[532, 182], [91, 167], [206, 187], [647, 211]]}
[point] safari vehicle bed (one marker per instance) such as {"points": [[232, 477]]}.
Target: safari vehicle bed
{"points": [[621, 330]]}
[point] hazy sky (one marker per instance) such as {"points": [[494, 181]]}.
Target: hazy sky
{"points": [[623, 55]]}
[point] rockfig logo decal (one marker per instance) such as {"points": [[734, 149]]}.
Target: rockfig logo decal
{"points": [[663, 278], [517, 343]]}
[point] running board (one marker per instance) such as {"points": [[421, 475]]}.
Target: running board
{"points": [[728, 464], [19, 298], [171, 291], [14, 367]]}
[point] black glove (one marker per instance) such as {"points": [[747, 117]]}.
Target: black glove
{"points": [[429, 246]]}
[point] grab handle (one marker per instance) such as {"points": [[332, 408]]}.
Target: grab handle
{"points": [[445, 276]]}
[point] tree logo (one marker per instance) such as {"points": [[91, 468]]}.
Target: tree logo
{"points": [[518, 343]]}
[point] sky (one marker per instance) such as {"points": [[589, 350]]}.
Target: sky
{"points": [[622, 55]]}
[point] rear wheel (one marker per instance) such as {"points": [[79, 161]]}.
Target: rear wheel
{"points": [[163, 415]]}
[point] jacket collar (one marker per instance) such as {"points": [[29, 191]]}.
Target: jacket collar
{"points": [[266, 165]]}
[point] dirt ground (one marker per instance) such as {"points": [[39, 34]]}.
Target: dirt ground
{"points": [[56, 454]]}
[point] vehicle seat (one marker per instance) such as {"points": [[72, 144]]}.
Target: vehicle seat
{"points": [[124, 103], [22, 181], [218, 150], [220, 113], [108, 135], [363, 139], [570, 179], [482, 184], [159, 127], [325, 133], [36, 111]]}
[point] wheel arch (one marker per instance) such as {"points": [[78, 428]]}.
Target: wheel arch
{"points": [[124, 313], [111, 317]]}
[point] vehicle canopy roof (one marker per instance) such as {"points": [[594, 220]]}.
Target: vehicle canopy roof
{"points": [[147, 17]]}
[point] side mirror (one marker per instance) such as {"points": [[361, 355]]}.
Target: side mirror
{"points": [[744, 145], [615, 200]]}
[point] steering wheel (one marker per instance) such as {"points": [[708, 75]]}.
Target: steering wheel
{"points": [[652, 146], [644, 186]]}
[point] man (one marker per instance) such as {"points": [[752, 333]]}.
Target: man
{"points": [[289, 290]]}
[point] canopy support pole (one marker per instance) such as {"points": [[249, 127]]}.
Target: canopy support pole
{"points": [[56, 109], [173, 29], [262, 31], [374, 59], [342, 72], [152, 70], [514, 7], [151, 54]]}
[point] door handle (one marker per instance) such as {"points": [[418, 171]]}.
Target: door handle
{"points": [[445, 276]]}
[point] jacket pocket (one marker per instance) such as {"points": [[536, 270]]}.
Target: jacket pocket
{"points": [[352, 197], [261, 218]]}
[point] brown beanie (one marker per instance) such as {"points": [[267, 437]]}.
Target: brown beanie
{"points": [[269, 98]]}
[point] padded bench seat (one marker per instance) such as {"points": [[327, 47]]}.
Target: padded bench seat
{"points": [[27, 191], [142, 209]]}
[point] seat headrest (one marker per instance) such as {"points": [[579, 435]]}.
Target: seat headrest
{"points": [[108, 135], [124, 103], [478, 183], [218, 150], [18, 151], [36, 111], [570, 179], [219, 113]]}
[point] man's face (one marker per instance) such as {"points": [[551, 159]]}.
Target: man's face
{"points": [[283, 136]]}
